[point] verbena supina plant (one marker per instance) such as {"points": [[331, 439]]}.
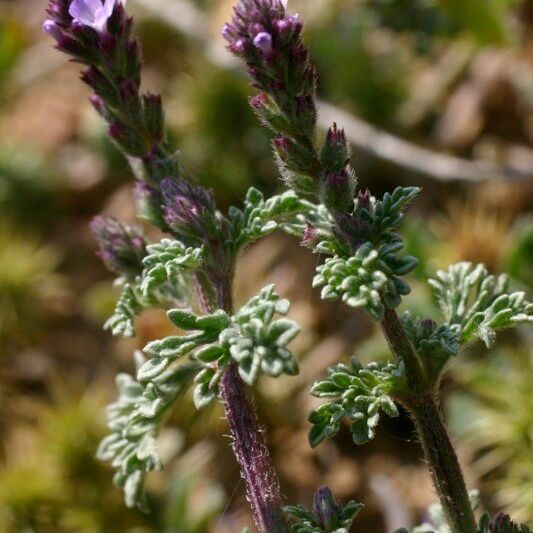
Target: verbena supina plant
{"points": [[219, 350]]}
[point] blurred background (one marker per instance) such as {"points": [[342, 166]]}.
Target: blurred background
{"points": [[437, 93]]}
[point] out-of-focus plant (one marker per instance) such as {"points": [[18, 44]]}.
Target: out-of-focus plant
{"points": [[12, 41], [190, 273], [29, 285], [494, 418], [28, 190], [51, 480], [224, 145]]}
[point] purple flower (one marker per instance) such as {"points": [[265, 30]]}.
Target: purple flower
{"points": [[122, 248], [92, 13], [263, 41]]}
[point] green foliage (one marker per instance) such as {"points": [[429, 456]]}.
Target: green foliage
{"points": [[357, 393], [370, 276], [134, 421], [129, 305], [433, 343], [375, 221], [165, 351], [254, 340], [162, 283], [363, 279], [257, 342], [251, 337], [386, 215], [327, 516], [165, 261], [261, 217], [477, 304]]}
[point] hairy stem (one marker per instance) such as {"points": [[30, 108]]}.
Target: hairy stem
{"points": [[442, 459], [248, 440], [249, 446], [439, 453]]}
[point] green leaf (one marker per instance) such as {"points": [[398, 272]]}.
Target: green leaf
{"points": [[261, 217], [356, 393], [134, 420], [476, 304], [129, 305], [166, 261]]}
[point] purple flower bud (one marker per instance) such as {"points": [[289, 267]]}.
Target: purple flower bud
{"points": [[117, 132], [52, 28], [336, 151], [238, 47], [122, 248], [263, 41], [288, 25], [336, 136], [226, 32], [427, 327], [351, 231], [282, 143], [325, 508], [92, 13], [189, 211]]}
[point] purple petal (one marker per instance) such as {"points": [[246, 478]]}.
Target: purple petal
{"points": [[83, 10]]}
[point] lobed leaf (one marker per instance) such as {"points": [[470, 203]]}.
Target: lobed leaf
{"points": [[476, 304], [358, 393]]}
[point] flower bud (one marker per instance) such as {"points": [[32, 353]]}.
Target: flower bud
{"points": [[310, 236], [263, 41], [325, 508], [337, 191], [189, 211], [351, 231], [363, 199], [154, 117], [336, 151], [122, 248], [52, 28]]}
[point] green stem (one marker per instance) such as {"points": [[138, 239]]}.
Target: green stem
{"points": [[438, 450]]}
